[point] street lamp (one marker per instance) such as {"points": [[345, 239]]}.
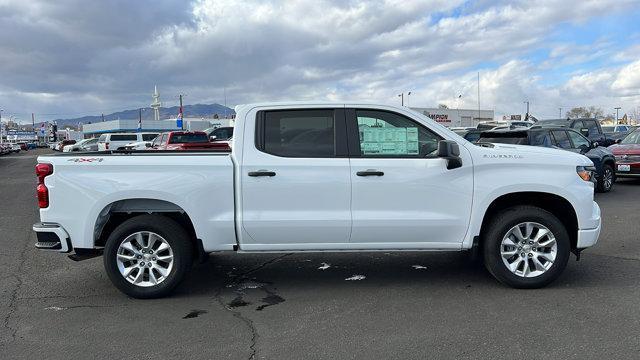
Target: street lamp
{"points": [[401, 96], [1, 110]]}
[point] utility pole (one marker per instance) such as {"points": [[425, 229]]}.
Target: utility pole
{"points": [[401, 96], [140, 119], [478, 95], [1, 110], [560, 116], [102, 117], [617, 108]]}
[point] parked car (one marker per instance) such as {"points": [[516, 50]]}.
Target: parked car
{"points": [[617, 132], [118, 141], [23, 146], [309, 177], [60, 146], [16, 148], [590, 128], [6, 149], [471, 135], [561, 138], [82, 145], [627, 154], [184, 140], [220, 134]]}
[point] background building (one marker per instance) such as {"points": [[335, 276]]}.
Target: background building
{"points": [[457, 117]]}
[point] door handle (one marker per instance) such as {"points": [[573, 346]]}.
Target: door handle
{"points": [[262, 173], [370, 173]]}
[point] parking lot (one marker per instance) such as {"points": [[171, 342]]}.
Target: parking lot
{"points": [[398, 305]]}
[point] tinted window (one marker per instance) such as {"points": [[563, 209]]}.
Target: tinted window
{"points": [[185, 138], [592, 125], [299, 133], [578, 140], [148, 137], [387, 134], [608, 129], [222, 133], [562, 140], [541, 138], [126, 137]]}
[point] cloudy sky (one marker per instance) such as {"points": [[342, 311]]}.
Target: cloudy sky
{"points": [[68, 58]]}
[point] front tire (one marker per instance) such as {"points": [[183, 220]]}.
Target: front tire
{"points": [[147, 256], [526, 247], [607, 178]]}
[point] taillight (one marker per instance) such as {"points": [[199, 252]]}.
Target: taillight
{"points": [[42, 171]]}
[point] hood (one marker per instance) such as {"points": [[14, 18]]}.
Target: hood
{"points": [[625, 149], [534, 154]]}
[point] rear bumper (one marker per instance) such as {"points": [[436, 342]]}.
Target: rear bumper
{"points": [[52, 237], [589, 237]]}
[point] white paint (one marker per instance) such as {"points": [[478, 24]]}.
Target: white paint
{"points": [[356, 278], [324, 266], [418, 267], [55, 308]]}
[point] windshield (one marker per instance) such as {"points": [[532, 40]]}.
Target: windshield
{"points": [[189, 138], [633, 138]]}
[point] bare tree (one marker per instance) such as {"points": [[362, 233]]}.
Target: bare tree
{"points": [[585, 112]]}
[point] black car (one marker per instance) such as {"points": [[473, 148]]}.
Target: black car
{"points": [[562, 138], [588, 127]]}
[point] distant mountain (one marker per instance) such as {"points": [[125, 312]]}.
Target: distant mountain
{"points": [[197, 110]]}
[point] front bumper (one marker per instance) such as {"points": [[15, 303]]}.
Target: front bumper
{"points": [[52, 237], [589, 237]]}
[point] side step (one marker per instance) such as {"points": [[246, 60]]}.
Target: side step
{"points": [[49, 245]]}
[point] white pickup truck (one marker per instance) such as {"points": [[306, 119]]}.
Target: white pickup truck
{"points": [[306, 177]]}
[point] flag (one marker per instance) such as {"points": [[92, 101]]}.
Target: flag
{"points": [[179, 119]]}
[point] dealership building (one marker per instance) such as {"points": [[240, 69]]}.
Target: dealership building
{"points": [[116, 126], [457, 117]]}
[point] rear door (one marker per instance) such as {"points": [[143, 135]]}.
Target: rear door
{"points": [[403, 196], [295, 182]]}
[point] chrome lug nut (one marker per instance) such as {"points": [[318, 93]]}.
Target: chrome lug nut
{"points": [[522, 254], [530, 255], [142, 263], [153, 258]]}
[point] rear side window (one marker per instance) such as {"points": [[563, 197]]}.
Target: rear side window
{"points": [[592, 126], [148, 137], [186, 138], [222, 133], [562, 140], [298, 133], [124, 137], [541, 138]]}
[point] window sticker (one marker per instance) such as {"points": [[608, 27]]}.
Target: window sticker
{"points": [[389, 140]]}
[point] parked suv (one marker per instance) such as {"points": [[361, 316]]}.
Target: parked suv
{"points": [[590, 128], [118, 141], [562, 138]]}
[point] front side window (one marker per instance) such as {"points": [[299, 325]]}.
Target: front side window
{"points": [[384, 133], [578, 140], [592, 126], [562, 140], [299, 133]]}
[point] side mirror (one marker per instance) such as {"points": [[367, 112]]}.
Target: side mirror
{"points": [[584, 131], [212, 138], [449, 150], [147, 145], [594, 144], [618, 141]]}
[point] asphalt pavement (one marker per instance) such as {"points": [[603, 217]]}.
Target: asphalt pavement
{"points": [[406, 305]]}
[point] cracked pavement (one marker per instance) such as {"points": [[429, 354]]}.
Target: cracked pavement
{"points": [[55, 308]]}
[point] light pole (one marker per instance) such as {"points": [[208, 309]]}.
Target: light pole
{"points": [[617, 108], [401, 96], [560, 109], [526, 116], [1, 110]]}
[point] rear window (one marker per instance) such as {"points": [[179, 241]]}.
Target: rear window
{"points": [[123, 137], [188, 138], [148, 137]]}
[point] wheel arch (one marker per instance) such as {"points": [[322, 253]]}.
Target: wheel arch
{"points": [[557, 205]]}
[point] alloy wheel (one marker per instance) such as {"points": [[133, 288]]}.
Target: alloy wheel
{"points": [[528, 249], [145, 259]]}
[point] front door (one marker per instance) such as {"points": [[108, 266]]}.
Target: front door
{"points": [[296, 187], [403, 196]]}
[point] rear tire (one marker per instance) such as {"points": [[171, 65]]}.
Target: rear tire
{"points": [[147, 256], [532, 264], [606, 179]]}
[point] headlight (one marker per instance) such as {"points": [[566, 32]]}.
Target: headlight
{"points": [[586, 173]]}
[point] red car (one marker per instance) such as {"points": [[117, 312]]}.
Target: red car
{"points": [[185, 140], [627, 154]]}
